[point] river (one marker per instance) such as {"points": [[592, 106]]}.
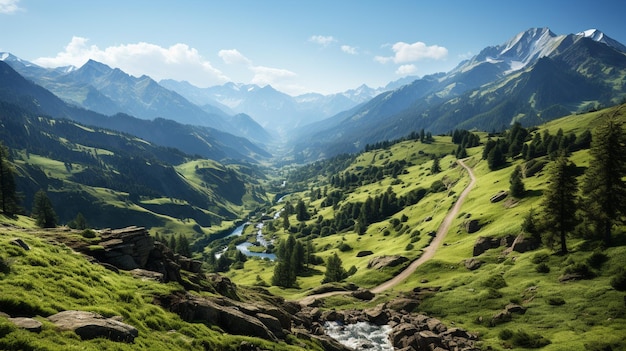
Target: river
{"points": [[361, 335], [245, 247]]}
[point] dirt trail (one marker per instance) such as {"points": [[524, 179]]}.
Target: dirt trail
{"points": [[428, 253]]}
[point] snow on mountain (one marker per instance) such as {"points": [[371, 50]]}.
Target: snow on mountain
{"points": [[600, 37], [527, 47]]}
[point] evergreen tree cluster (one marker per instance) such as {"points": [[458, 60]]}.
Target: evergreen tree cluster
{"points": [[423, 136], [370, 174], [9, 200], [520, 142], [292, 259], [603, 201]]}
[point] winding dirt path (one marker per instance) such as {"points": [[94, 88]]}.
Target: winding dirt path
{"points": [[427, 254]]}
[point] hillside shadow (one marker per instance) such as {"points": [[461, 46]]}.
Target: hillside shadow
{"points": [[309, 272], [533, 193]]}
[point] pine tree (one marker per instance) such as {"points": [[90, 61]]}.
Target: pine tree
{"points": [[8, 193], [182, 246], [43, 211], [285, 216], [435, 168], [559, 202], [301, 211], [517, 188], [604, 203], [334, 269]]}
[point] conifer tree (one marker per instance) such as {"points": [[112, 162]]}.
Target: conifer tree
{"points": [[517, 188], [301, 211], [182, 246], [9, 200], [559, 202], [435, 168], [334, 269], [604, 188], [43, 212]]}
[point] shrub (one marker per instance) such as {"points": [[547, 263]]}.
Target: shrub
{"points": [[542, 268], [556, 301], [597, 259], [88, 234], [531, 341], [618, 282], [495, 281], [505, 334], [581, 269], [409, 247], [4, 266], [343, 247]]}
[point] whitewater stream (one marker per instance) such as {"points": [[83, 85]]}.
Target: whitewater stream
{"points": [[361, 335]]}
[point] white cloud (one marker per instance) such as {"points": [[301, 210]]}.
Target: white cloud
{"points": [[233, 56], [349, 49], [322, 40], [405, 53], [178, 61], [9, 6], [406, 70]]}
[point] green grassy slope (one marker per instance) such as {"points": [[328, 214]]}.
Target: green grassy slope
{"points": [[50, 278], [581, 314]]}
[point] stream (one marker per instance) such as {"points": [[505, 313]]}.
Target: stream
{"points": [[360, 336], [245, 247]]}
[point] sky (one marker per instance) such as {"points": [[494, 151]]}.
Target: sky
{"points": [[296, 46]]}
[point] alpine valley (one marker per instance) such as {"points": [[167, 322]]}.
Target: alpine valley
{"points": [[477, 209]]}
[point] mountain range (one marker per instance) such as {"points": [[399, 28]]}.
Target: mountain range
{"points": [[534, 77]]}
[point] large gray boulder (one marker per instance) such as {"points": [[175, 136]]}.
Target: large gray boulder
{"points": [[89, 325], [381, 262]]}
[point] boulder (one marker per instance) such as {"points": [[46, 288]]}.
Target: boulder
{"points": [[381, 262], [523, 244], [20, 243], [472, 226], [364, 253], [484, 243], [32, 325], [230, 319], [515, 308], [403, 304], [499, 196], [472, 263], [89, 325], [363, 294]]}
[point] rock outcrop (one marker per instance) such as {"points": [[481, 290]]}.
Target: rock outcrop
{"points": [[133, 249], [381, 262], [519, 243], [89, 325], [501, 195]]}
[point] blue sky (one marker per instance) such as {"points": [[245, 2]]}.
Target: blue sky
{"points": [[296, 46]]}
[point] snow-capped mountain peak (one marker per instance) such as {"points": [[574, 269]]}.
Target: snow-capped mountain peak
{"points": [[600, 37]]}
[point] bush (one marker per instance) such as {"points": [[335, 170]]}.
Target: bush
{"points": [[409, 247], [343, 247], [531, 341], [542, 268], [597, 259], [618, 282], [556, 301], [505, 334], [581, 269], [540, 257], [4, 266], [88, 234], [495, 281]]}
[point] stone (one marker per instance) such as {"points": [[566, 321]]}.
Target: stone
{"points": [[381, 262], [484, 243], [32, 325], [89, 325], [363, 294], [20, 243], [364, 253], [515, 308], [472, 263], [523, 244], [499, 196], [472, 226]]}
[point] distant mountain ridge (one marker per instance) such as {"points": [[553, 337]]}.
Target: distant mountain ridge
{"points": [[204, 141], [535, 76], [98, 87], [271, 108]]}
